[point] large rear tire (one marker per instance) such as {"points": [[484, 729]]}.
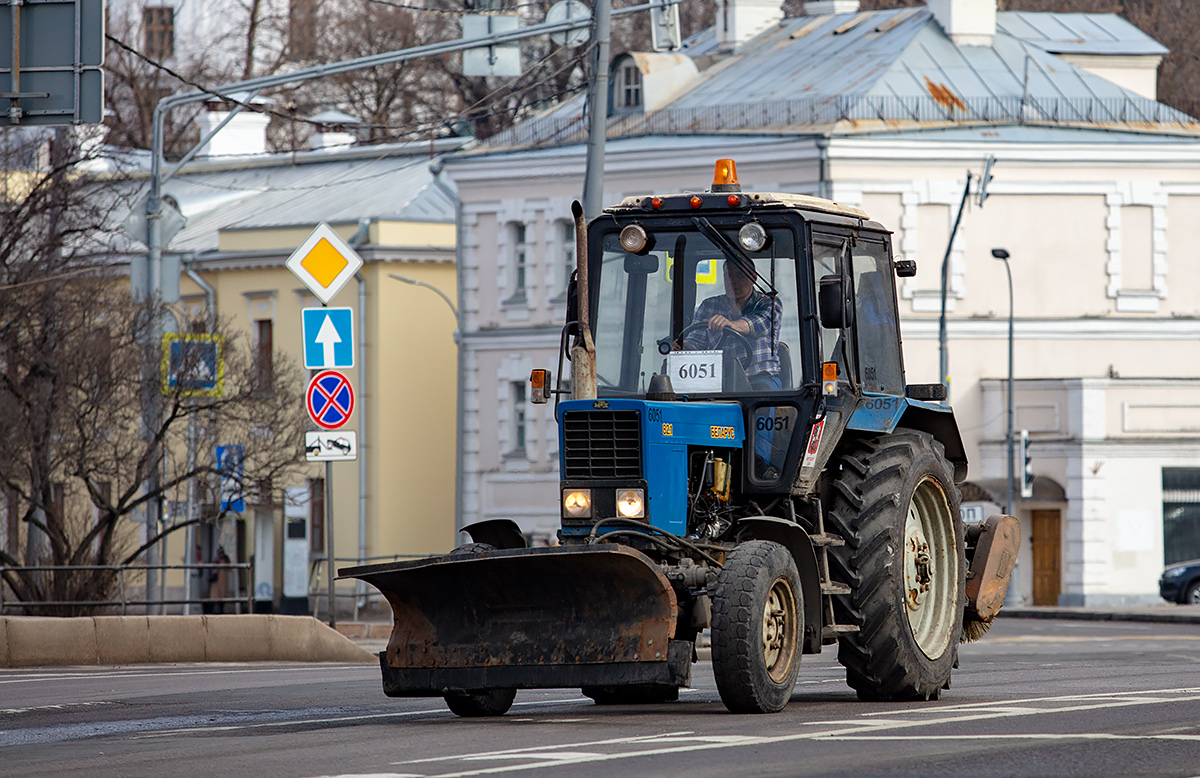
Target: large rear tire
{"points": [[895, 503], [757, 622]]}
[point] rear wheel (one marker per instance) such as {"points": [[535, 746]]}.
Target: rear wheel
{"points": [[489, 702], [485, 702], [895, 503], [756, 628]]}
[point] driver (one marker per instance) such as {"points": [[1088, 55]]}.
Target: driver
{"points": [[748, 311]]}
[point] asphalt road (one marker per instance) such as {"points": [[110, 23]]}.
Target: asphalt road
{"points": [[1035, 698]]}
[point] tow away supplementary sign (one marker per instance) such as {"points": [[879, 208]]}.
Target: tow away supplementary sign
{"points": [[324, 262], [328, 338], [332, 446]]}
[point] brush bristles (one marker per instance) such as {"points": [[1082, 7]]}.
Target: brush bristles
{"points": [[974, 629]]}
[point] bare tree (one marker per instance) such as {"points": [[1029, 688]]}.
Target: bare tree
{"points": [[75, 457]]}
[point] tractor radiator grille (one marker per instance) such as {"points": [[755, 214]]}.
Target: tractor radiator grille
{"points": [[602, 444]]}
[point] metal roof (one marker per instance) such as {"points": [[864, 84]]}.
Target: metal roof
{"points": [[894, 69], [1078, 33], [379, 186]]}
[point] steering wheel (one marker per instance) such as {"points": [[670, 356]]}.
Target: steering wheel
{"points": [[743, 340]]}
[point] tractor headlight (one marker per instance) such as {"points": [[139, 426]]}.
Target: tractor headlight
{"points": [[752, 236], [577, 503], [631, 503], [634, 239]]}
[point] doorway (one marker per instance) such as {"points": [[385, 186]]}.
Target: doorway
{"points": [[1047, 552]]}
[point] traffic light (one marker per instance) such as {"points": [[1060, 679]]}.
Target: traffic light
{"points": [[1026, 466]]}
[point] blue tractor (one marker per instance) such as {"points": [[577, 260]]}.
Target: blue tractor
{"points": [[740, 453]]}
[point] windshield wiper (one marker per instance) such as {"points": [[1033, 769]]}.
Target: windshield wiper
{"points": [[734, 253]]}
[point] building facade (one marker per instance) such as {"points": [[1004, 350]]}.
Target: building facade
{"points": [[889, 111]]}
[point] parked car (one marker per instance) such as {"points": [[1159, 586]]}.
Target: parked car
{"points": [[1181, 583]]}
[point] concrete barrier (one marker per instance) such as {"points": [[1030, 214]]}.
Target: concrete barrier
{"points": [[30, 641]]}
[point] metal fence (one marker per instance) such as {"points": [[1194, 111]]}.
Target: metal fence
{"points": [[128, 591]]}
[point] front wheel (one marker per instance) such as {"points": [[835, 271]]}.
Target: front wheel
{"points": [[1193, 594], [474, 704], [757, 622], [896, 505]]}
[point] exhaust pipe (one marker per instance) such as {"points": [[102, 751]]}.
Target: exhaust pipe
{"points": [[583, 352]]}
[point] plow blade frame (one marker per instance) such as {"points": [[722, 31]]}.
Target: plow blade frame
{"points": [[569, 616]]}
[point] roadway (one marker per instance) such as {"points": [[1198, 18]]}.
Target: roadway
{"points": [[1034, 698]]}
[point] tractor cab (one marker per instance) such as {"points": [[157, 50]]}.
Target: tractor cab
{"points": [[765, 300]]}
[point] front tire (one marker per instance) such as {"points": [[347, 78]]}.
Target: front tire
{"points": [[1192, 597], [485, 702], [895, 503], [490, 702], [757, 622]]}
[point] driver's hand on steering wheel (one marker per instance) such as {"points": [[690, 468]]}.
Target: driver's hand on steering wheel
{"points": [[719, 322]]}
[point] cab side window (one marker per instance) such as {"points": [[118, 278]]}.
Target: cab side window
{"points": [[876, 319]]}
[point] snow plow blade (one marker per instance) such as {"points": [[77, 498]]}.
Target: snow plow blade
{"points": [[527, 619]]}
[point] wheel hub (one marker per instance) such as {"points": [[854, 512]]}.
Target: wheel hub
{"points": [[777, 630], [918, 564], [931, 568]]}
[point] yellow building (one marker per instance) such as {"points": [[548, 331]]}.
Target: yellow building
{"points": [[244, 218]]}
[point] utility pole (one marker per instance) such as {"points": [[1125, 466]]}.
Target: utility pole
{"points": [[597, 103]]}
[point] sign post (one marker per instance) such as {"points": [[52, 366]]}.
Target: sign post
{"points": [[325, 263]]}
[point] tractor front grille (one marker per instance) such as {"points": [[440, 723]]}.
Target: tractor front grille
{"points": [[602, 444]]}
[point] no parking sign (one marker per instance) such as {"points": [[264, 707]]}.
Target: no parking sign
{"points": [[330, 399]]}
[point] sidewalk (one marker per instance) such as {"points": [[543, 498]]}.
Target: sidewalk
{"points": [[1163, 613]]}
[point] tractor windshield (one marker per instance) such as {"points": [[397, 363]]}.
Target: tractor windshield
{"points": [[693, 305]]}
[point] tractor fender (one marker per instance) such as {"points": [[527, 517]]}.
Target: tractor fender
{"points": [[796, 541], [938, 420], [498, 533]]}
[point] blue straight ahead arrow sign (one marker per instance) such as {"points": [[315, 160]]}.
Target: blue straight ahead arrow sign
{"points": [[328, 338]]}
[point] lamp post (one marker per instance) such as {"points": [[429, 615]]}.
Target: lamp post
{"points": [[458, 409], [1013, 597]]}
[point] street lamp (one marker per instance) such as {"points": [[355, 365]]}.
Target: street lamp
{"points": [[1013, 598], [459, 476]]}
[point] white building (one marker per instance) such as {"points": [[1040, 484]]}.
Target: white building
{"points": [[1096, 195]]}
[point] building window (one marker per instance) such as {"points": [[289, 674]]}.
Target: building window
{"points": [[519, 408], [302, 26], [520, 258], [1181, 514], [629, 86], [264, 360], [566, 235], [158, 32], [316, 515]]}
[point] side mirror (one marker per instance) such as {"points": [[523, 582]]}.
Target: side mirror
{"points": [[539, 387], [829, 303]]}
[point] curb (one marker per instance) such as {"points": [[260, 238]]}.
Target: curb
{"points": [[33, 641], [1088, 614]]}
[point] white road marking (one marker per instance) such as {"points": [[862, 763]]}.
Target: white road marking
{"points": [[64, 706], [868, 726], [1026, 736]]}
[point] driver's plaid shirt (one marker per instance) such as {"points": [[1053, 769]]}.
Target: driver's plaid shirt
{"points": [[756, 311]]}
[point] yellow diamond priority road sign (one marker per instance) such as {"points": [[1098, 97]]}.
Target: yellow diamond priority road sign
{"points": [[324, 263]]}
